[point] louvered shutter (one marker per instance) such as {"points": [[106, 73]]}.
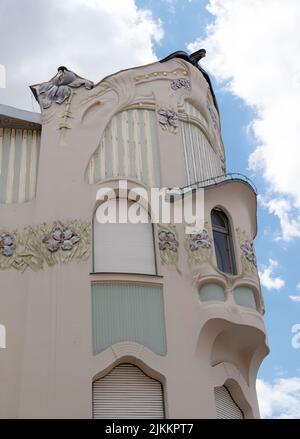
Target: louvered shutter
{"points": [[124, 247], [126, 392], [226, 406]]}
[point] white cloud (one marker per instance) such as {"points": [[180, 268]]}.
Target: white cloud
{"points": [[281, 207], [267, 278], [280, 399], [296, 298], [92, 37], [253, 48]]}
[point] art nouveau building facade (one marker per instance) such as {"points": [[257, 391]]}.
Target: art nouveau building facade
{"points": [[125, 320]]}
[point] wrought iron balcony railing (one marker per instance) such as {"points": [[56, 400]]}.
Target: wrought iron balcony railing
{"points": [[232, 176]]}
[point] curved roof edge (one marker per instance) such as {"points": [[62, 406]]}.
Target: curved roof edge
{"points": [[194, 59], [230, 178]]}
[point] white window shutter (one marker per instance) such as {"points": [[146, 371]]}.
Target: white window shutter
{"points": [[127, 393], [226, 406], [124, 248]]}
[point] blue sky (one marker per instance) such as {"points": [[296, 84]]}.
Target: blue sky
{"points": [[183, 23], [253, 58], [281, 369]]}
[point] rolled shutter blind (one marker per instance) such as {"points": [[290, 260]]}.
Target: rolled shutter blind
{"points": [[127, 393], [124, 247], [226, 406]]}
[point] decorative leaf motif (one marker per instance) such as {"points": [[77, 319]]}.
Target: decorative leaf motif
{"points": [[61, 238], [168, 119], [181, 83], [248, 257], [7, 245], [248, 249], [167, 241], [168, 245], [199, 247], [58, 89], [36, 246], [201, 239]]}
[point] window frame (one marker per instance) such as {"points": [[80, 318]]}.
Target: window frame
{"points": [[154, 242], [225, 231]]}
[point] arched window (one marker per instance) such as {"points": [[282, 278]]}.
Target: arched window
{"points": [[123, 247], [223, 242]]}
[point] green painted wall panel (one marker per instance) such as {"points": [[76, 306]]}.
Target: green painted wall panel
{"points": [[212, 292], [244, 296], [128, 312]]}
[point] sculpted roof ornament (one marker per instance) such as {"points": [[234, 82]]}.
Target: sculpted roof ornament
{"points": [[59, 88], [194, 59]]}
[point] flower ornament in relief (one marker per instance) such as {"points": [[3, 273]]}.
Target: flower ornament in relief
{"points": [[181, 83], [248, 249], [201, 239], [7, 245], [168, 119], [168, 245], [198, 246], [58, 89], [36, 246], [167, 241], [61, 238]]}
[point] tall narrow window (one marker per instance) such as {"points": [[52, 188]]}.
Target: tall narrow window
{"points": [[223, 242]]}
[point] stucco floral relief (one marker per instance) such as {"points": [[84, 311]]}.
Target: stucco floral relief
{"points": [[7, 244], [199, 247], [176, 84], [61, 237], [247, 252], [59, 88], [168, 119], [168, 245], [45, 244]]}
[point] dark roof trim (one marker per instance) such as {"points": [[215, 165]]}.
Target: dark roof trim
{"points": [[14, 117], [34, 92], [194, 59]]}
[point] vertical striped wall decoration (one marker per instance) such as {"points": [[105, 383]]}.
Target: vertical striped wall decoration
{"points": [[128, 312], [201, 160], [191, 111], [19, 154], [128, 148]]}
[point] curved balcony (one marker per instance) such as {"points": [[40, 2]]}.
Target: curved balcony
{"points": [[213, 181]]}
